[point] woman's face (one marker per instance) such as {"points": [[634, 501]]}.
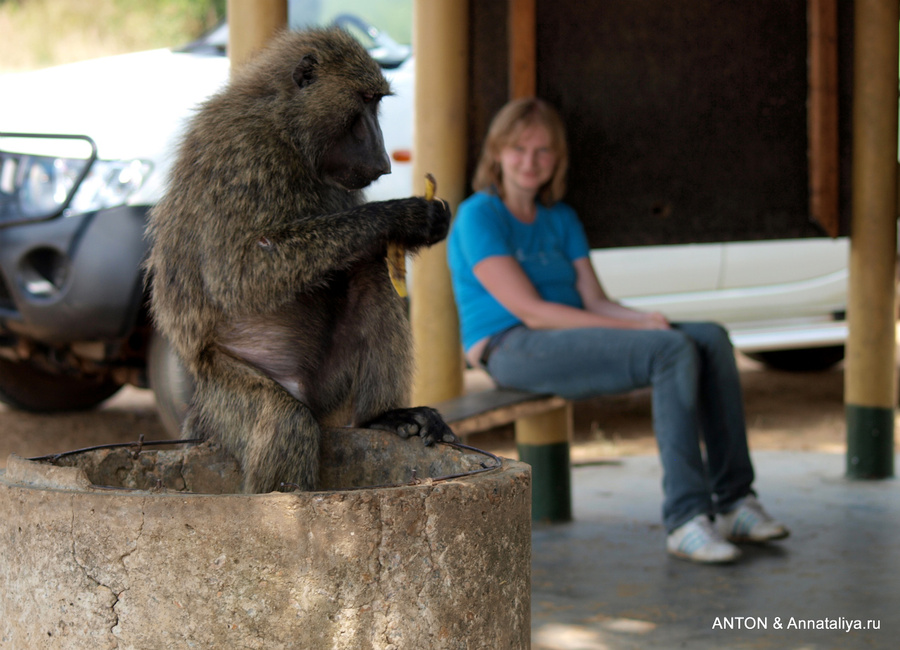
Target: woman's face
{"points": [[528, 162]]}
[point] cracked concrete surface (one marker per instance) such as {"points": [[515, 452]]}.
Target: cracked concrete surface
{"points": [[439, 565]]}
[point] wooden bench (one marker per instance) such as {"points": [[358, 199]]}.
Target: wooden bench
{"points": [[543, 429]]}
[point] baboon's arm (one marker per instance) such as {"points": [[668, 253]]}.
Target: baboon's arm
{"points": [[284, 260]]}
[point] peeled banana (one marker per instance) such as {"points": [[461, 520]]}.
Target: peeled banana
{"points": [[396, 254]]}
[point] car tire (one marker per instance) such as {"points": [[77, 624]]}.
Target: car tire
{"points": [[26, 387], [801, 360], [170, 383]]}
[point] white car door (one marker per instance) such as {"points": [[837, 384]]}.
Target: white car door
{"points": [[787, 279], [680, 280], [772, 295]]}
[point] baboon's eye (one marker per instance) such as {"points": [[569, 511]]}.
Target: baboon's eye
{"points": [[368, 98]]}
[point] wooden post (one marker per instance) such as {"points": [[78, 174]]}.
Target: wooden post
{"points": [[251, 24], [543, 441], [522, 49], [870, 370], [822, 109], [441, 44]]}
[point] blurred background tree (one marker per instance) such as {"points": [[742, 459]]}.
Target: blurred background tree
{"points": [[40, 33]]}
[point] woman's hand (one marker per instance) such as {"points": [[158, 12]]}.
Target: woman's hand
{"points": [[596, 301], [655, 320]]}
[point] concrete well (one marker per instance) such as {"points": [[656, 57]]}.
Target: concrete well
{"points": [[171, 557]]}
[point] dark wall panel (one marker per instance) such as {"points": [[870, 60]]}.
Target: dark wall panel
{"points": [[687, 119], [488, 70]]}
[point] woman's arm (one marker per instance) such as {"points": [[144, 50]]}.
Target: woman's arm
{"points": [[504, 278], [595, 300]]}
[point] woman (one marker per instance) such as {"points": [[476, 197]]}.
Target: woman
{"points": [[534, 314]]}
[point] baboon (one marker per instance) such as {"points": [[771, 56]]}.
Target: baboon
{"points": [[267, 271]]}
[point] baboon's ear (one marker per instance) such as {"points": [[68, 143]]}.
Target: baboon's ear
{"points": [[305, 72]]}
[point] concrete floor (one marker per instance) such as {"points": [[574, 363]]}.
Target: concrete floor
{"points": [[604, 581]]}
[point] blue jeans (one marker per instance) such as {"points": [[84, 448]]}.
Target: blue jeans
{"points": [[696, 393]]}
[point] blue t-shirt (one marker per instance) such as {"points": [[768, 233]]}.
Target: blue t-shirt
{"points": [[545, 249]]}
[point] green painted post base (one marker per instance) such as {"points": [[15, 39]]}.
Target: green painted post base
{"points": [[870, 442], [551, 483]]}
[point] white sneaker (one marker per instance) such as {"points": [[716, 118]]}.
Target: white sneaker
{"points": [[749, 522], [698, 541]]}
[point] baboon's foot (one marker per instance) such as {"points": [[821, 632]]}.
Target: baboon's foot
{"points": [[421, 421]]}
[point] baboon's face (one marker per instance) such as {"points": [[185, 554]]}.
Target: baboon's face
{"points": [[345, 93], [358, 156]]}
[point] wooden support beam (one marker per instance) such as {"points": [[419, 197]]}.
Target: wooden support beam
{"points": [[441, 43], [251, 23], [822, 109], [543, 441], [522, 49], [871, 373], [542, 438]]}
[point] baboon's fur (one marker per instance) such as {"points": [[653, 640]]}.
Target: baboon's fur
{"points": [[267, 270]]}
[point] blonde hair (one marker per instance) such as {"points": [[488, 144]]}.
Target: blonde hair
{"points": [[505, 129]]}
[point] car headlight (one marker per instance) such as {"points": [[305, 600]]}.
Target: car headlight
{"points": [[47, 182]]}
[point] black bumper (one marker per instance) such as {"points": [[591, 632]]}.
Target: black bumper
{"points": [[76, 278]]}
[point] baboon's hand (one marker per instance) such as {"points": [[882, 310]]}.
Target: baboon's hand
{"points": [[420, 222], [420, 421], [438, 221]]}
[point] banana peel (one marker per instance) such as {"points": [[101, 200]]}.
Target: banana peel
{"points": [[396, 254]]}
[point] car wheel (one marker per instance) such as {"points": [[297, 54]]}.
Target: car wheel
{"points": [[170, 383], [26, 387], [801, 360]]}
